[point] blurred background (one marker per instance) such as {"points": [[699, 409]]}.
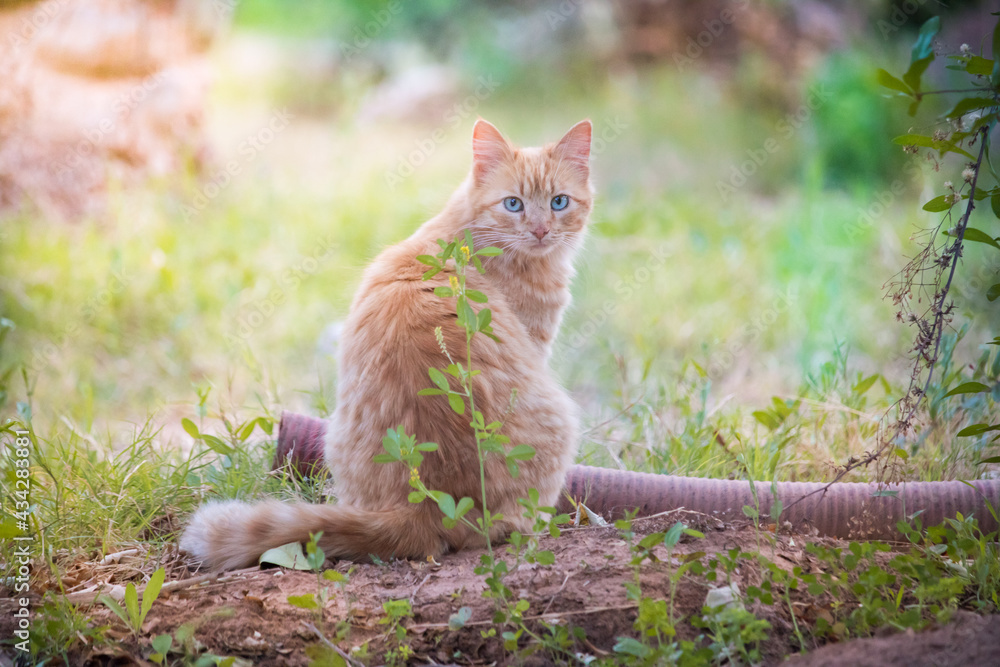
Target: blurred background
{"points": [[189, 190]]}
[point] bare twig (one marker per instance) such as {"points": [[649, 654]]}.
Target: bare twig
{"points": [[419, 586], [346, 656], [556, 594], [89, 596], [553, 615]]}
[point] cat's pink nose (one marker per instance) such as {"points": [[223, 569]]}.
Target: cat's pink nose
{"points": [[540, 232]]}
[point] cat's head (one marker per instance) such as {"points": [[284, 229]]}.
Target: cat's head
{"points": [[530, 200]]}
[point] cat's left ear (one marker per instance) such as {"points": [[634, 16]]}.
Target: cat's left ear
{"points": [[575, 146], [489, 149]]}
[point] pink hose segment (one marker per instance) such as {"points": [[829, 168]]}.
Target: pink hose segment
{"points": [[845, 510]]}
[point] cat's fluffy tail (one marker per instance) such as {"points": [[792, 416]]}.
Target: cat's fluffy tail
{"points": [[231, 534]]}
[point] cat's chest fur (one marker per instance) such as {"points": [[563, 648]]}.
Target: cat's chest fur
{"points": [[538, 294]]}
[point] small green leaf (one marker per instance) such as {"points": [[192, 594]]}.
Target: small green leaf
{"points": [[889, 81], [866, 384], [968, 104], [924, 46], [334, 576], [632, 647], [673, 535], [244, 432], [438, 378], [431, 392], [917, 69], [190, 428], [992, 459], [476, 295], [217, 445], [151, 592], [132, 605], [288, 556], [973, 234], [458, 620], [521, 452], [926, 142], [444, 292], [390, 443], [446, 504], [306, 601], [545, 558], [429, 260], [977, 429], [489, 251], [466, 315], [767, 419], [162, 643], [113, 605], [651, 540], [384, 458], [427, 447], [885, 493], [939, 203], [265, 424], [485, 317], [9, 529], [463, 507], [979, 65], [416, 497], [995, 204], [457, 403], [968, 388], [777, 507]]}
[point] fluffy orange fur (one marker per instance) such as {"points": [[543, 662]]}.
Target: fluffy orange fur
{"points": [[388, 344]]}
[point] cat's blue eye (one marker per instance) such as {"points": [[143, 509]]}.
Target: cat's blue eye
{"points": [[513, 204], [559, 202]]}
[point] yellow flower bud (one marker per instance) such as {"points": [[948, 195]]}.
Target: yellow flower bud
{"points": [[453, 281]]}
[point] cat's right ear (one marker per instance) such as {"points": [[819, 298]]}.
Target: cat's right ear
{"points": [[489, 149]]}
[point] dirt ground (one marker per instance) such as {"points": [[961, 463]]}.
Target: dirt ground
{"points": [[247, 614]]}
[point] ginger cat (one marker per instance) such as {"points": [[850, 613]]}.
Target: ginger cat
{"points": [[534, 204]]}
